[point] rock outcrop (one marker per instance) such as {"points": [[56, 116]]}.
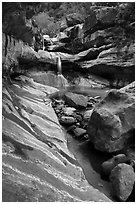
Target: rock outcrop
{"points": [[76, 100], [110, 25], [103, 45], [109, 65], [122, 178], [74, 19], [112, 123], [105, 17], [37, 165]]}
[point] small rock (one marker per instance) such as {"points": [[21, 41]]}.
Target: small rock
{"points": [[108, 165], [69, 111], [87, 114], [97, 97], [47, 102], [57, 110], [122, 178], [60, 106], [90, 104], [130, 153], [58, 101], [76, 100], [91, 99], [67, 120], [71, 128], [86, 137], [131, 156], [84, 124], [79, 132], [78, 124], [78, 117]]}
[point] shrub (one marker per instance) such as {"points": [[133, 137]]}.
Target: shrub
{"points": [[47, 24]]}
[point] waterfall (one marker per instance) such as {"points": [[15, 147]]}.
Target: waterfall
{"points": [[62, 82], [43, 47]]}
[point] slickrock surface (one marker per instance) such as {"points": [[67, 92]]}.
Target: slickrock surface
{"points": [[37, 165]]}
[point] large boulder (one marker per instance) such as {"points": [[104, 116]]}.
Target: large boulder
{"points": [[76, 100], [122, 178], [108, 165], [112, 122], [113, 64], [105, 17], [99, 17], [96, 39], [75, 31], [74, 19]]}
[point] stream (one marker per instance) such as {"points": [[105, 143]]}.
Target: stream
{"points": [[88, 158]]}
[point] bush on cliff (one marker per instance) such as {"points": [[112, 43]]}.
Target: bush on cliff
{"points": [[47, 24]]}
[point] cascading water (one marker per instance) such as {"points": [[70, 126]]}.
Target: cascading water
{"points": [[61, 81]]}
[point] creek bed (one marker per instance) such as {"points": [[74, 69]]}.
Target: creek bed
{"points": [[88, 158]]}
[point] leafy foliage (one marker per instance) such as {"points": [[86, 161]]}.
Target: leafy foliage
{"points": [[47, 24]]}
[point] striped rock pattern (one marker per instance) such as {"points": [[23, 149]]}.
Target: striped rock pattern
{"points": [[37, 165]]}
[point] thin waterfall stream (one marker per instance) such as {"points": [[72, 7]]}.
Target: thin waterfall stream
{"points": [[61, 81], [81, 150]]}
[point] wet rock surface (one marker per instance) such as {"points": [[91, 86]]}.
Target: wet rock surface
{"points": [[37, 165], [122, 178]]}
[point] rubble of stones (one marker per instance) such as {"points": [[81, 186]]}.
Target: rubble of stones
{"points": [[74, 116], [74, 112]]}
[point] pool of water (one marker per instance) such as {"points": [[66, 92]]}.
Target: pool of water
{"points": [[60, 82], [88, 91], [90, 160]]}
